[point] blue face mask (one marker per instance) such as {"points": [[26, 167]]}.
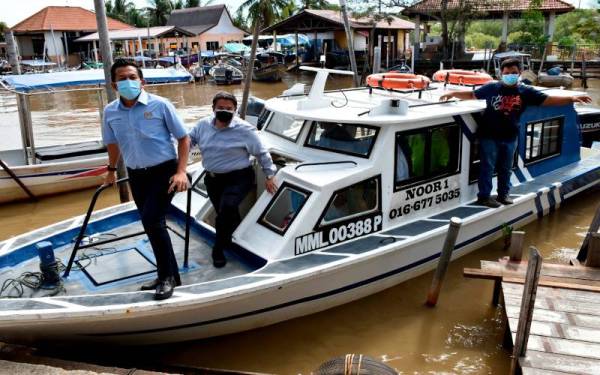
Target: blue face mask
{"points": [[129, 89], [510, 79]]}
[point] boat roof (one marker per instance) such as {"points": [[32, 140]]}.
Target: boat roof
{"points": [[48, 81], [361, 105], [506, 54]]}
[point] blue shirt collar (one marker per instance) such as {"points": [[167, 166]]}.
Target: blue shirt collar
{"points": [[142, 99]]}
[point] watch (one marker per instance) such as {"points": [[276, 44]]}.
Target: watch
{"points": [[111, 169]]}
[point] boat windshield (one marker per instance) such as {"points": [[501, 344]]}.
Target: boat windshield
{"points": [[284, 126], [343, 138]]}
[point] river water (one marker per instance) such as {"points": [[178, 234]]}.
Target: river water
{"points": [[462, 335]]}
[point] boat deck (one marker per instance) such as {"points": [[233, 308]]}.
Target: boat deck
{"points": [[122, 266]]}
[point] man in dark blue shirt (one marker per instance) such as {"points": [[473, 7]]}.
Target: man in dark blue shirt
{"points": [[505, 100]]}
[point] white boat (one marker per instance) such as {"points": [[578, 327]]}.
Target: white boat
{"points": [[226, 74], [59, 168], [361, 206]]}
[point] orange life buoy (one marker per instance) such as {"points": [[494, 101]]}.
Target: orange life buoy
{"points": [[398, 81], [461, 77]]}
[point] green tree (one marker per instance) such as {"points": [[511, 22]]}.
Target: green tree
{"points": [[158, 12], [192, 3], [529, 30], [581, 26], [3, 29], [314, 4], [125, 11]]}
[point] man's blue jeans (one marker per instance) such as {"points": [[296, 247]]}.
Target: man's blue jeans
{"points": [[498, 155]]}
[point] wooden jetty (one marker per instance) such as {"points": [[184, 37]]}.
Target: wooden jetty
{"points": [[551, 311]]}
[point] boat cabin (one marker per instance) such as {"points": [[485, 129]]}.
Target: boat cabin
{"points": [[359, 161]]}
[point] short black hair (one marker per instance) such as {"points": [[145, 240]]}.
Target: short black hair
{"points": [[120, 63], [510, 62], [224, 95]]}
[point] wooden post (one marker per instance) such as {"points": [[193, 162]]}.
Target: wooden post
{"points": [[515, 251], [297, 53], [593, 256], [573, 54], [350, 39], [594, 226], [388, 48], [583, 71], [376, 59], [440, 272], [250, 68], [534, 267], [107, 61]]}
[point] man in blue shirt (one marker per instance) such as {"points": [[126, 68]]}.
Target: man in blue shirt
{"points": [[139, 127], [227, 144], [498, 132]]}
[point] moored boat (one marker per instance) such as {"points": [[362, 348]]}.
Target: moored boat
{"points": [[59, 168], [226, 74], [368, 181]]}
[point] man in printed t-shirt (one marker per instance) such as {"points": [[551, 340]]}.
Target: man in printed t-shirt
{"points": [[505, 100]]}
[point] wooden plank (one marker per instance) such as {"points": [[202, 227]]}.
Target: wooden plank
{"points": [[548, 269], [575, 295], [562, 331], [593, 254], [561, 363], [561, 317], [558, 305], [528, 301], [537, 371], [562, 346], [513, 277]]}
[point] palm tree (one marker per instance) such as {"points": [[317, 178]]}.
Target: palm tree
{"points": [[125, 11], [158, 11], [315, 4], [261, 13]]}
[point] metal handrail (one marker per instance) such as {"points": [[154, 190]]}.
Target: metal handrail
{"points": [[88, 215], [326, 163]]}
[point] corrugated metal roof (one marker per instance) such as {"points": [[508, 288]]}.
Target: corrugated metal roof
{"points": [[64, 18], [131, 34], [434, 6]]}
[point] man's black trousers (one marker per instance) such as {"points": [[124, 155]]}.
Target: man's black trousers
{"points": [[226, 192], [149, 187]]}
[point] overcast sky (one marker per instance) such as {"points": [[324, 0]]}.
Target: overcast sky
{"points": [[11, 13]]}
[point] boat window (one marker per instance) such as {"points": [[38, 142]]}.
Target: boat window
{"points": [[263, 118], [427, 153], [284, 126], [284, 208], [199, 186], [344, 138], [543, 139], [355, 200]]}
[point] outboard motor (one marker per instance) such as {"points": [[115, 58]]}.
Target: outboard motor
{"points": [[48, 264]]}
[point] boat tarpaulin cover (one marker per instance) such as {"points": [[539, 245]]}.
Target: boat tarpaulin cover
{"points": [[41, 81]]}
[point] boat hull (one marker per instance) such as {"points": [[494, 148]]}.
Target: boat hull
{"points": [[52, 178], [266, 296]]}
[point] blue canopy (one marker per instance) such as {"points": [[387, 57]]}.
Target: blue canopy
{"points": [[236, 48], [28, 82], [37, 63]]}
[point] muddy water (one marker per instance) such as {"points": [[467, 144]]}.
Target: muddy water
{"points": [[462, 335]]}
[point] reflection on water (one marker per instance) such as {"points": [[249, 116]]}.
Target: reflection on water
{"points": [[462, 335]]}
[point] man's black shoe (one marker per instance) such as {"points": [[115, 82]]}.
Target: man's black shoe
{"points": [[488, 202], [505, 200], [218, 258], [150, 285], [164, 289]]}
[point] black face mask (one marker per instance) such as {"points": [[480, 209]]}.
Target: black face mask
{"points": [[223, 115]]}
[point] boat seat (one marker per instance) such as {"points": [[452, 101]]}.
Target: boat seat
{"points": [[70, 150]]}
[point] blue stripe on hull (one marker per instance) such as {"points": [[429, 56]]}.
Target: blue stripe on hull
{"points": [[316, 296]]}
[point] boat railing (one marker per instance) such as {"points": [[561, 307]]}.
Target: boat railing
{"points": [[78, 246], [327, 163]]}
